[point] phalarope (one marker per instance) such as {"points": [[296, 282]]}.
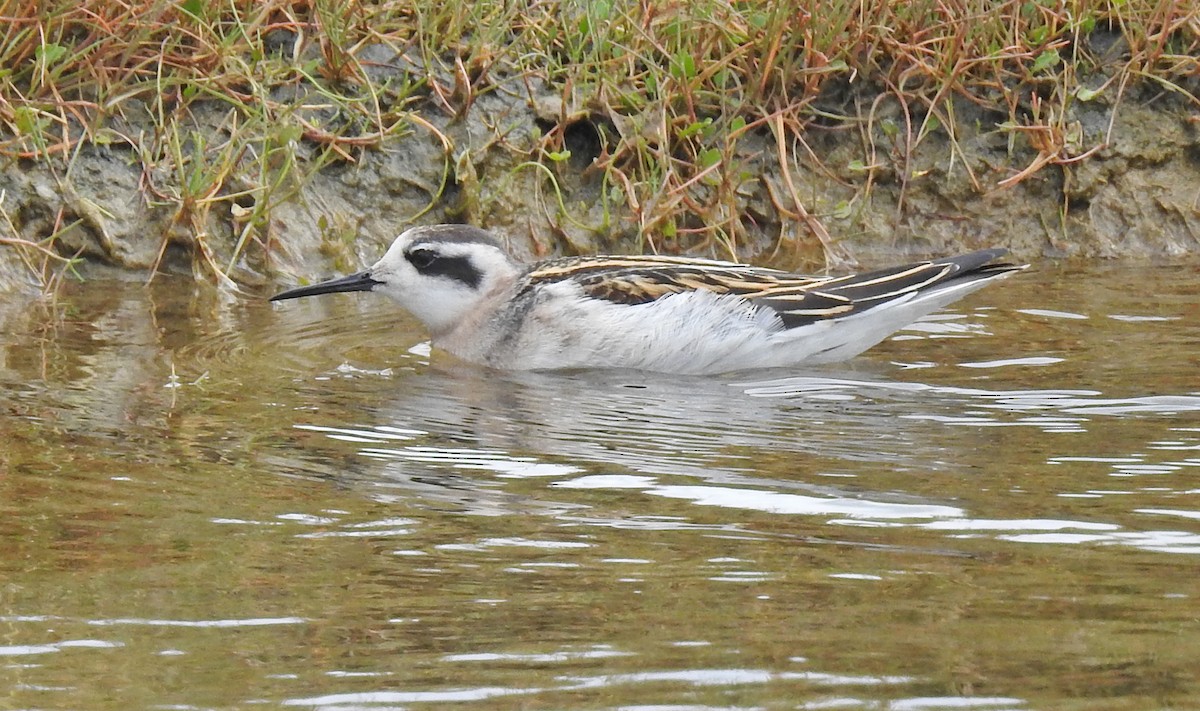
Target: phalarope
{"points": [[672, 314]]}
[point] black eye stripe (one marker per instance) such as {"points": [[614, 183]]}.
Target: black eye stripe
{"points": [[458, 268], [421, 258]]}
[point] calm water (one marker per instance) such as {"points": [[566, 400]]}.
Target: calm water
{"points": [[208, 504]]}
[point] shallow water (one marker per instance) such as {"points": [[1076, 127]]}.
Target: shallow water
{"points": [[209, 504]]}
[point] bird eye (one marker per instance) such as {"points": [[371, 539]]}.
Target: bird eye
{"points": [[421, 258]]}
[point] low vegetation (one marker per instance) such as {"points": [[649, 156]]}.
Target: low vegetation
{"points": [[669, 89]]}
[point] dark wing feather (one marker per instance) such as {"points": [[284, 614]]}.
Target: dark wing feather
{"points": [[798, 300], [859, 292], [642, 279]]}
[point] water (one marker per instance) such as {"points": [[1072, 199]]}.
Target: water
{"points": [[208, 504]]}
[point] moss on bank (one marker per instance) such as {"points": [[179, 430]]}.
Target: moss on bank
{"points": [[241, 140]]}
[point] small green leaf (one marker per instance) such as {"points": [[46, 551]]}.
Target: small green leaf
{"points": [[737, 124], [289, 134], [842, 210], [48, 54], [27, 120], [192, 7], [932, 124], [558, 156], [857, 166], [651, 84], [1085, 94], [709, 157], [1045, 60], [695, 127], [683, 66]]}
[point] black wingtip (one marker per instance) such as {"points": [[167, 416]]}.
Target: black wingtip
{"points": [[971, 261]]}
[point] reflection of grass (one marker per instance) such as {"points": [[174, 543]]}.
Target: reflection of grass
{"points": [[670, 88]]}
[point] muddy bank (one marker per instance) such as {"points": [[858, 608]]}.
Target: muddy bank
{"points": [[1116, 179]]}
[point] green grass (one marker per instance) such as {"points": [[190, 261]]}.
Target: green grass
{"points": [[671, 88]]}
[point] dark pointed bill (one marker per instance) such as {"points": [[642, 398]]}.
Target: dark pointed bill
{"points": [[361, 281]]}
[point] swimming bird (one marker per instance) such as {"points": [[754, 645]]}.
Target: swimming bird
{"points": [[659, 313]]}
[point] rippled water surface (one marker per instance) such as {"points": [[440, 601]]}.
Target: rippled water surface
{"points": [[209, 504]]}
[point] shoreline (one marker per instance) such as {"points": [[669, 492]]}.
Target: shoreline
{"points": [[320, 147]]}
